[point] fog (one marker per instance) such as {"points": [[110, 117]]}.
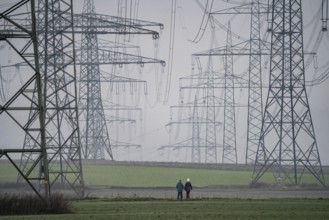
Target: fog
{"points": [[149, 129]]}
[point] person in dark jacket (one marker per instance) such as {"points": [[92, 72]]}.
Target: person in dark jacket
{"points": [[188, 188], [180, 187]]}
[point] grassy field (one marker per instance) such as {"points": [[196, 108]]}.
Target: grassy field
{"points": [[160, 176], [135, 176], [292, 209], [147, 176]]}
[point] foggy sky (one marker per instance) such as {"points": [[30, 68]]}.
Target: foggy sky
{"points": [[150, 130]]}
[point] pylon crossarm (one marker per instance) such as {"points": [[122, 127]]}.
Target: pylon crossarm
{"points": [[117, 144], [128, 21], [117, 58], [245, 9], [102, 24], [240, 49], [106, 24]]}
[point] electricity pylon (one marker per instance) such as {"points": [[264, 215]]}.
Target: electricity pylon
{"points": [[196, 153], [229, 137], [211, 139], [255, 98], [102, 24], [211, 80], [256, 50], [210, 102], [195, 142], [207, 80], [95, 136], [287, 145], [227, 82], [57, 64], [29, 97]]}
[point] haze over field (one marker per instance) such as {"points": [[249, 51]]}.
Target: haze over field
{"points": [[150, 131]]}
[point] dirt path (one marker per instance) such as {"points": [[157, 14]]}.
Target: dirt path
{"points": [[242, 193]]}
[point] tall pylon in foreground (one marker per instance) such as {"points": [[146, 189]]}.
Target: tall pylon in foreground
{"points": [[25, 106], [57, 66], [287, 145]]}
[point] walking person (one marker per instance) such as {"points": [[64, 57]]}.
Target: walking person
{"points": [[188, 188], [180, 187]]}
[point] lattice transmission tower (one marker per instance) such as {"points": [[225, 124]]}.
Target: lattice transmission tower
{"points": [[42, 107], [226, 82], [208, 103], [196, 141], [95, 135], [211, 139], [255, 97], [254, 48], [229, 137], [207, 83], [57, 65], [287, 145]]}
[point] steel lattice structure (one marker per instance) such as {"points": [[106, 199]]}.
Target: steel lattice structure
{"points": [[254, 48], [210, 103], [255, 98], [95, 136], [227, 82], [229, 137], [196, 142], [287, 145], [210, 81], [101, 24], [211, 151], [26, 107], [55, 38]]}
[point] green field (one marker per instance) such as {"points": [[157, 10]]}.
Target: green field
{"points": [[147, 176], [292, 209], [160, 176], [136, 176]]}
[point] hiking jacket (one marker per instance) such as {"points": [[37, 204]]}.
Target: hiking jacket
{"points": [[188, 186], [179, 187]]}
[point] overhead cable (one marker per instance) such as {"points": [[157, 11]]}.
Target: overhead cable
{"points": [[171, 49]]}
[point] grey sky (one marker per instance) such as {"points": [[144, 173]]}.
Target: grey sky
{"points": [[151, 132]]}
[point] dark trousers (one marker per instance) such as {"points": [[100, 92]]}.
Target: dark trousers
{"points": [[187, 194], [180, 195]]}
